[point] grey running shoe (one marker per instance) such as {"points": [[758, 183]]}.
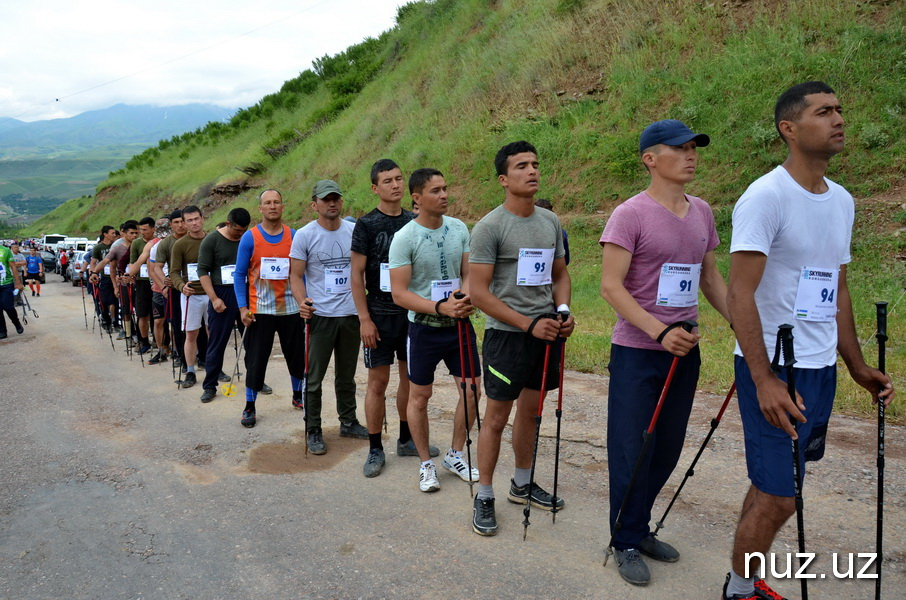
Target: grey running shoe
{"points": [[208, 395], [632, 566], [374, 463], [353, 430], [658, 550], [316, 443], [540, 498], [223, 377], [266, 390], [409, 449], [484, 521]]}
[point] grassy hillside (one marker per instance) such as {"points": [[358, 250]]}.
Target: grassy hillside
{"points": [[456, 79]]}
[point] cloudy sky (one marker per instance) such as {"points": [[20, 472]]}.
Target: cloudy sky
{"points": [[91, 54]]}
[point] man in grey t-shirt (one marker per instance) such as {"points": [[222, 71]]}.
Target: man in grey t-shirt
{"points": [[518, 278]]}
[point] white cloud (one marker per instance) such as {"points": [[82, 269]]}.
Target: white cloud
{"points": [[93, 54]]}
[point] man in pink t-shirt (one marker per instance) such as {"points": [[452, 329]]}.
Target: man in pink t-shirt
{"points": [[658, 253]]}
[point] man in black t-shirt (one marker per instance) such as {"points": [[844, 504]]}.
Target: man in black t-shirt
{"points": [[383, 324]]}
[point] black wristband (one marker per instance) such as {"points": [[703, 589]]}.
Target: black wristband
{"points": [[535, 322], [437, 305]]}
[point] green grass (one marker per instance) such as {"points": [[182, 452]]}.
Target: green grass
{"points": [[456, 79]]}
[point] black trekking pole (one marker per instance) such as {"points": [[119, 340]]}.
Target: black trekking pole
{"points": [[84, 307], [785, 346], [172, 345], [97, 287], [229, 389], [464, 333], [135, 327], [646, 439], [467, 330], [691, 471], [528, 504], [185, 321], [881, 336], [305, 380], [127, 323], [559, 413]]}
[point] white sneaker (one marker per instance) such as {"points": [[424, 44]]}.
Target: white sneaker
{"points": [[456, 465], [427, 478]]}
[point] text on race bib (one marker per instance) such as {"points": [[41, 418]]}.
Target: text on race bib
{"points": [[143, 271], [678, 285], [226, 274], [385, 277], [274, 268], [534, 266], [442, 288], [192, 271], [816, 298], [336, 281], [106, 269]]}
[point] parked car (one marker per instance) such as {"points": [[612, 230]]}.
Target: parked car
{"points": [[74, 268]]}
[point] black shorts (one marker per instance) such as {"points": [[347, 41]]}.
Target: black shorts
{"points": [[108, 298], [429, 345], [514, 360], [158, 306], [33, 277], [392, 330], [142, 298]]}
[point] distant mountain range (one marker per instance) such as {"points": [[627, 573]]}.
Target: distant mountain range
{"points": [[45, 163], [118, 126]]}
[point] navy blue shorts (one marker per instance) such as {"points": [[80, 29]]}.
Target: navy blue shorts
{"points": [[769, 454], [427, 346]]}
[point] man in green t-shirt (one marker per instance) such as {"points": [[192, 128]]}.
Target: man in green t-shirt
{"points": [[9, 281], [142, 293]]}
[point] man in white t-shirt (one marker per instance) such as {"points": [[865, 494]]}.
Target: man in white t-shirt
{"points": [[789, 251], [321, 252]]}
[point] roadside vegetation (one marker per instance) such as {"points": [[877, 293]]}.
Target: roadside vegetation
{"points": [[456, 79]]}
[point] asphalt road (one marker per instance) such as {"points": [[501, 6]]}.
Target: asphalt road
{"points": [[118, 485]]}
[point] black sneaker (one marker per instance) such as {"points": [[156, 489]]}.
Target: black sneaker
{"points": [[540, 498], [374, 463], [316, 443], [189, 380], [157, 359], [654, 548], [484, 521], [248, 418], [144, 348], [199, 364], [632, 567], [266, 390], [353, 430], [723, 595], [223, 377], [208, 395], [298, 403], [409, 449], [3, 335], [19, 329]]}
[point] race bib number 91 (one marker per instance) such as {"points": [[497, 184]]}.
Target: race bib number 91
{"points": [[677, 285]]}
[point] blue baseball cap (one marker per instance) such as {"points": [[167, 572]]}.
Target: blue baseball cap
{"points": [[670, 132]]}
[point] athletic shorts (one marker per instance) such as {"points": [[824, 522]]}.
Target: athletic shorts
{"points": [[194, 310], [105, 286], [158, 306], [769, 450], [393, 331], [142, 298], [427, 346], [514, 360], [33, 277]]}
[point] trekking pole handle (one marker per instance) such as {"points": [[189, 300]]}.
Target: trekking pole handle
{"points": [[785, 333], [689, 325], [881, 307]]}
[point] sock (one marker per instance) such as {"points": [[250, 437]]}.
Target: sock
{"points": [[297, 394], [454, 453], [405, 436], [374, 441], [522, 477], [740, 586], [485, 492], [250, 405], [190, 368], [297, 386], [39, 288], [427, 462], [250, 396]]}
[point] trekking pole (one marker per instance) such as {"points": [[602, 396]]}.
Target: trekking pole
{"points": [[785, 345], [229, 389], [27, 303], [882, 366], [185, 321], [84, 308], [110, 328], [127, 323], [646, 440], [559, 412], [305, 379], [528, 506], [467, 330], [168, 317], [691, 471], [135, 327], [463, 333]]}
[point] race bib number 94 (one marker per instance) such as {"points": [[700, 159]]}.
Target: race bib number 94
{"points": [[816, 298]]}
